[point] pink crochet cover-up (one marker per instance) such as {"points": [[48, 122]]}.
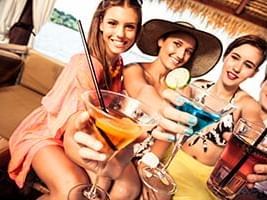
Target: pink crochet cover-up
{"points": [[44, 126]]}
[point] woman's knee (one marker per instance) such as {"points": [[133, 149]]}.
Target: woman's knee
{"points": [[128, 186], [125, 191]]}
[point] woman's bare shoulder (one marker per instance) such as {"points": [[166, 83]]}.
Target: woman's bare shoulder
{"points": [[249, 107], [243, 97], [77, 57], [132, 68], [132, 65]]}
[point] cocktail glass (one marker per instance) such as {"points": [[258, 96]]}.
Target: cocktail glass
{"points": [[240, 144], [208, 109], [125, 120]]}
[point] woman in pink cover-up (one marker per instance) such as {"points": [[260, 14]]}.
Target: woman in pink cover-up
{"points": [[44, 140], [45, 125]]}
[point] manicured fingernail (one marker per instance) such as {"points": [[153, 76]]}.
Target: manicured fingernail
{"points": [[180, 100], [84, 115], [258, 169], [171, 138], [163, 136], [98, 145], [192, 120], [189, 131], [102, 157]]}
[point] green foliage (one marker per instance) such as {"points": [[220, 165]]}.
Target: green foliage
{"points": [[61, 18]]}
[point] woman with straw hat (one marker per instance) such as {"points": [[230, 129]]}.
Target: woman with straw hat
{"points": [[176, 45]]}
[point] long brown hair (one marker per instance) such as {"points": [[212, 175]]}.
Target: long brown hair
{"points": [[95, 38]]}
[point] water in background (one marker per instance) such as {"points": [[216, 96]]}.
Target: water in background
{"points": [[58, 41]]}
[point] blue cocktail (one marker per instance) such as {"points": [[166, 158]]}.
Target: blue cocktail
{"points": [[205, 118], [207, 108]]}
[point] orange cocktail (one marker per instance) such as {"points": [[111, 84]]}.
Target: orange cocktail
{"points": [[125, 119], [122, 121], [121, 132]]}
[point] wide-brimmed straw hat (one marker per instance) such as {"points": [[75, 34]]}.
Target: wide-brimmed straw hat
{"points": [[205, 57]]}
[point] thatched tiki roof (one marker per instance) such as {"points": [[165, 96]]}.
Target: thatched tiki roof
{"points": [[234, 16]]}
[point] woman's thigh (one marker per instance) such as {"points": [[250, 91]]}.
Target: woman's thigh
{"points": [[56, 170]]}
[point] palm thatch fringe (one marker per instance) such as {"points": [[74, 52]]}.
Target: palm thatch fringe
{"points": [[233, 25]]}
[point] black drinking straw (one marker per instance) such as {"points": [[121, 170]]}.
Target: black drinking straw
{"points": [[92, 69], [249, 151], [98, 92]]}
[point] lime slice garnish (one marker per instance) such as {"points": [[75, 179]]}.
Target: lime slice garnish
{"points": [[178, 78]]}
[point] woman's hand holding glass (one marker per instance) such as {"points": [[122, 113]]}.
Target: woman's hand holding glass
{"points": [[81, 146], [174, 120], [259, 175], [117, 126], [260, 169], [174, 124], [85, 149]]}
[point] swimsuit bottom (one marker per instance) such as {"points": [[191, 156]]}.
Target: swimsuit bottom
{"points": [[191, 178]]}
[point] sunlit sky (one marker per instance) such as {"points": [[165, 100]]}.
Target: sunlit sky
{"points": [[84, 9]]}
